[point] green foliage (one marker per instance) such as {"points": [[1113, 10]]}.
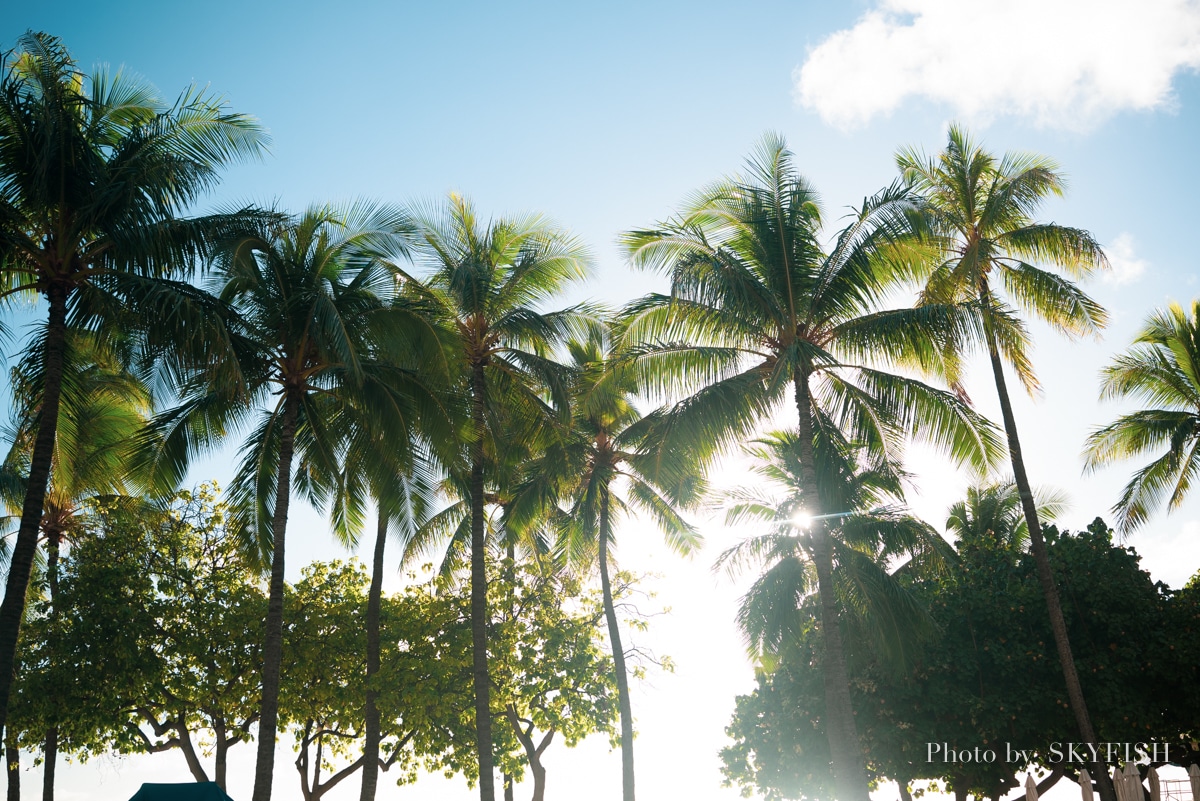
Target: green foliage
{"points": [[423, 678], [207, 609], [980, 215], [81, 666], [548, 662], [153, 644], [989, 675], [1162, 369], [756, 304]]}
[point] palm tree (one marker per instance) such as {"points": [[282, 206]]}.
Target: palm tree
{"points": [[982, 210], [994, 510], [1161, 370], [103, 408], [309, 312], [873, 530], [94, 171], [610, 447], [398, 475], [486, 283], [758, 310]]}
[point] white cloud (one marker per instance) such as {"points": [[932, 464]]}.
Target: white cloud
{"points": [[1063, 63], [1126, 266]]}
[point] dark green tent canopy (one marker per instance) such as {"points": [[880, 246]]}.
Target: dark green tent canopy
{"points": [[191, 791]]}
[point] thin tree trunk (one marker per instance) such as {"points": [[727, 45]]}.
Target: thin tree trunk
{"points": [[50, 745], [479, 612], [12, 610], [189, 751], [221, 762], [533, 754], [1041, 557], [510, 550], [370, 777], [905, 795], [49, 763], [273, 640], [12, 760], [618, 651], [849, 771]]}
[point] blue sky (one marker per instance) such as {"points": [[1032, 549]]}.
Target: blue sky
{"points": [[605, 116]]}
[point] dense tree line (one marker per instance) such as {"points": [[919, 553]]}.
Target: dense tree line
{"points": [[414, 362], [983, 676]]}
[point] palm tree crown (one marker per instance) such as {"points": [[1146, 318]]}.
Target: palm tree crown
{"points": [[981, 209], [869, 533], [1162, 370], [94, 172]]}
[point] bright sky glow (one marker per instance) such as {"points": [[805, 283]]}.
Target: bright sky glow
{"points": [[605, 117]]}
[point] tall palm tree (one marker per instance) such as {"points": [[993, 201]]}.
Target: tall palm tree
{"points": [[609, 451], [94, 171], [399, 477], [759, 311], [982, 208], [308, 299], [872, 532], [1161, 370], [487, 282], [103, 408]]}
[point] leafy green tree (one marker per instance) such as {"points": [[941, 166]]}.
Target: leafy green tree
{"points": [[1161, 369], [154, 628], [985, 677], [552, 676], [486, 283], [605, 467], [83, 658], [422, 681], [982, 208], [758, 311], [94, 171], [309, 314], [205, 612]]}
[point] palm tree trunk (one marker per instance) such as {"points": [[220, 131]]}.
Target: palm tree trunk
{"points": [[618, 651], [479, 611], [12, 610], [50, 745], [12, 762], [1041, 557], [273, 641], [370, 758], [849, 770]]}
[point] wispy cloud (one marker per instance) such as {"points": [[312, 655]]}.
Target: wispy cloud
{"points": [[1126, 266], [1062, 63]]}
